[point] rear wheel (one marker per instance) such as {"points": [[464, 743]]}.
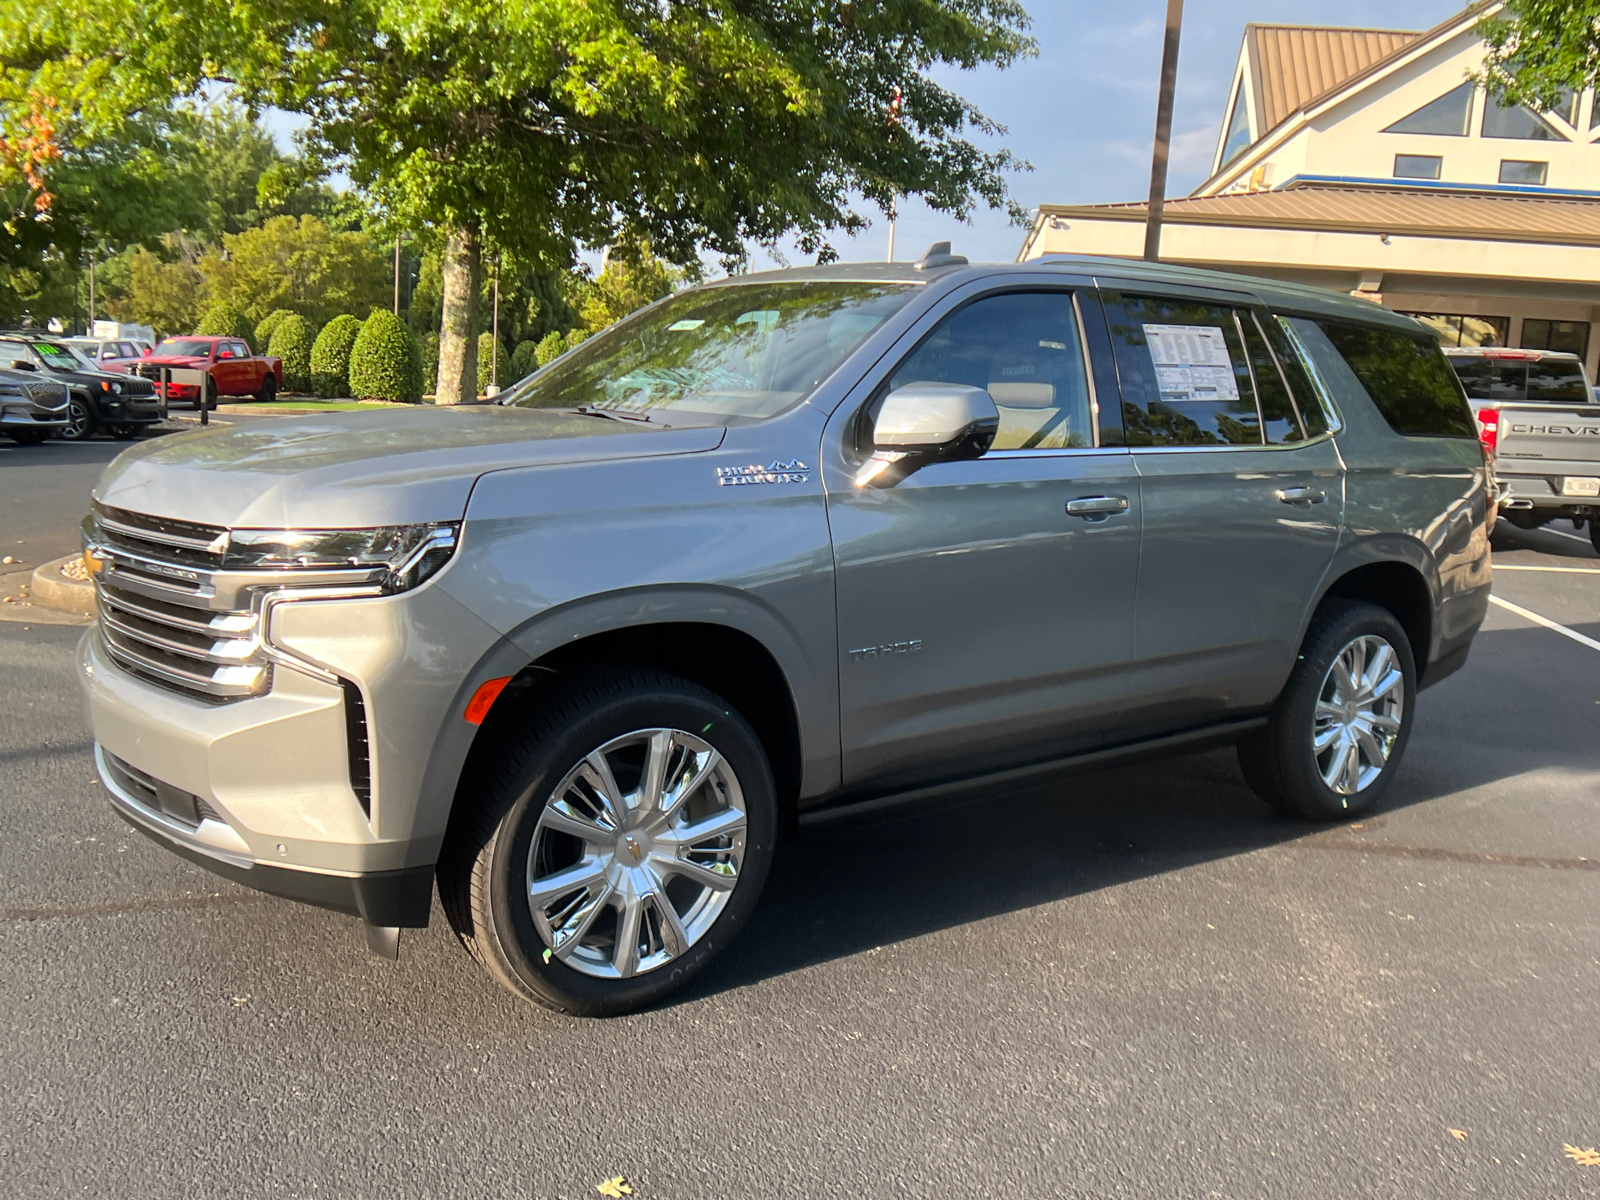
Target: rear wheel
{"points": [[623, 840], [1339, 730], [80, 421], [269, 389]]}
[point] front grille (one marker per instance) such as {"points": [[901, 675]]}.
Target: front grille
{"points": [[45, 394], [158, 618], [138, 389]]}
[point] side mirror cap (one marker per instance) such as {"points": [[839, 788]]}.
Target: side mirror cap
{"points": [[928, 422]]}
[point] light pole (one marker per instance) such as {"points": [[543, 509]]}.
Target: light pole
{"points": [[494, 347], [1158, 157], [397, 274]]}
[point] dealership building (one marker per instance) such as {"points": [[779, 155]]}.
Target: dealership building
{"points": [[1367, 161]]}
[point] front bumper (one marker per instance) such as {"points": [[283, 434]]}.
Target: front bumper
{"points": [[27, 416]]}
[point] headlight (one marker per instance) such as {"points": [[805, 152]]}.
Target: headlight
{"points": [[409, 554], [114, 388]]}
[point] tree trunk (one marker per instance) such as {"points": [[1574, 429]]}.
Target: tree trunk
{"points": [[458, 330]]}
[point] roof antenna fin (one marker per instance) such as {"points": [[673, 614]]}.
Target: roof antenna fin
{"points": [[938, 255]]}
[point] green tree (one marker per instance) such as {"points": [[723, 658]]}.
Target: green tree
{"points": [[1539, 51], [268, 325], [224, 320], [299, 264], [292, 341], [383, 362], [168, 296], [552, 347], [487, 360], [524, 359], [330, 355], [631, 278], [529, 128]]}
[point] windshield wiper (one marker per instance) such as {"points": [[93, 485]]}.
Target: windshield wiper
{"points": [[614, 414]]}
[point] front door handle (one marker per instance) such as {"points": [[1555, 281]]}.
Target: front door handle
{"points": [[1302, 495], [1096, 508]]}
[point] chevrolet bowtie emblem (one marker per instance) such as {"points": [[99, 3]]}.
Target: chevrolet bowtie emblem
{"points": [[633, 849]]}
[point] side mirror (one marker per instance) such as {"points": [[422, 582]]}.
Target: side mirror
{"points": [[22, 364], [928, 422]]}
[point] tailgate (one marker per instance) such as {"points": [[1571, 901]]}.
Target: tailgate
{"points": [[1540, 439]]}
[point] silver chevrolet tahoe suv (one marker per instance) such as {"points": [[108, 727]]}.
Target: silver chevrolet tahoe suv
{"points": [[774, 546]]}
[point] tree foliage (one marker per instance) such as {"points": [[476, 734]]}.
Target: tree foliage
{"points": [[168, 296], [224, 320], [1536, 49], [552, 347], [268, 325], [330, 356], [384, 362], [299, 264], [524, 359], [632, 277], [489, 357]]}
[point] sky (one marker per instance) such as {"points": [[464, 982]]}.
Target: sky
{"points": [[1083, 111]]}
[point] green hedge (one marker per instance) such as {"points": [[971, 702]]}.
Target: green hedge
{"points": [[268, 325], [292, 341], [576, 337], [551, 348], [330, 356], [524, 360], [384, 362], [224, 320], [486, 363]]}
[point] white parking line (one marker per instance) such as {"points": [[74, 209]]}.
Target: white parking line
{"points": [[1577, 537], [1546, 622], [1561, 570]]}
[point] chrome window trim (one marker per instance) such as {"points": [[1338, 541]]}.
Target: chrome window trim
{"points": [[1324, 395]]}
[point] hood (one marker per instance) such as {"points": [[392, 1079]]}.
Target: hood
{"points": [[361, 469], [173, 360]]}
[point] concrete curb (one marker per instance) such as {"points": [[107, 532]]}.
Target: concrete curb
{"points": [[52, 589]]}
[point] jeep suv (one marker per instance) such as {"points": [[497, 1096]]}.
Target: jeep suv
{"points": [[121, 405], [776, 545]]}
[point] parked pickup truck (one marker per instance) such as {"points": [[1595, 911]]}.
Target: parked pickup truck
{"points": [[233, 368], [1539, 419]]}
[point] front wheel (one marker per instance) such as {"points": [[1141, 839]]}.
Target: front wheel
{"points": [[1339, 730], [621, 841], [80, 422], [124, 432], [28, 437]]}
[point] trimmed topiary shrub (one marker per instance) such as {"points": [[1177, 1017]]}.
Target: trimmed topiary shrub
{"points": [[524, 360], [330, 356], [291, 341], [384, 362], [550, 349], [576, 337], [268, 325], [487, 363], [224, 320]]}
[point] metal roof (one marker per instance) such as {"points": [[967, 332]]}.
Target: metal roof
{"points": [[1296, 65], [1566, 220]]}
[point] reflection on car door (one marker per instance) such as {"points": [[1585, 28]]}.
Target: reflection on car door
{"points": [[981, 624], [1242, 506]]}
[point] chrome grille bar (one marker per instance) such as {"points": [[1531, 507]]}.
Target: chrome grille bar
{"points": [[220, 683]]}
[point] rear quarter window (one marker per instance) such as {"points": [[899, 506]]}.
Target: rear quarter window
{"points": [[1407, 379]]}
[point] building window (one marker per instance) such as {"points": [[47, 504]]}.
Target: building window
{"points": [[1446, 117], [1571, 336], [1513, 171], [1456, 329], [1417, 166], [1518, 121], [1238, 139]]}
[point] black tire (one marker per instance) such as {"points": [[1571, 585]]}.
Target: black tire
{"points": [[28, 437], [269, 389], [484, 865], [80, 421], [211, 394], [1594, 534], [1280, 763], [124, 432]]}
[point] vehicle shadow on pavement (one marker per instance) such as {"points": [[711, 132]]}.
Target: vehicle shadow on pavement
{"points": [[860, 883]]}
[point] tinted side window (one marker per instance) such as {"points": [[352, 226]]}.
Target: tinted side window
{"points": [[1407, 378], [1184, 373], [1023, 349]]}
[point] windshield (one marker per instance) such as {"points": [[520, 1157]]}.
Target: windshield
{"points": [[63, 358], [185, 348], [721, 354], [1514, 381]]}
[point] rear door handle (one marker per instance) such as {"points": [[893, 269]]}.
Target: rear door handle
{"points": [[1096, 508], [1302, 495]]}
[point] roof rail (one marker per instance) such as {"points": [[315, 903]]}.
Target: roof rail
{"points": [[938, 255]]}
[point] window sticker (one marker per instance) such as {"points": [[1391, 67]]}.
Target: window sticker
{"points": [[1191, 362]]}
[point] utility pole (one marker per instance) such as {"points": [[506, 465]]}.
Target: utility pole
{"points": [[397, 274], [91, 292], [494, 349], [892, 210], [1158, 158]]}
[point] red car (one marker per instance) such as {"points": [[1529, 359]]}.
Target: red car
{"points": [[233, 369]]}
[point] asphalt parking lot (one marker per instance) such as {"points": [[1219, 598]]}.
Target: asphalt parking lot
{"points": [[1139, 983]]}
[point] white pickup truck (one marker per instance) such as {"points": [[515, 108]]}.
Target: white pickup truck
{"points": [[1540, 422]]}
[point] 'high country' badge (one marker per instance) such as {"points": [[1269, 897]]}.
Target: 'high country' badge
{"points": [[793, 471]]}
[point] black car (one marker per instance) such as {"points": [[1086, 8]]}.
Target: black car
{"points": [[120, 405]]}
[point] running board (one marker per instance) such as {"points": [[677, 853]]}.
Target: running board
{"points": [[1094, 760]]}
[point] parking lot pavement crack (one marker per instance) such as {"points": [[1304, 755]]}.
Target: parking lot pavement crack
{"points": [[1323, 841], [167, 904]]}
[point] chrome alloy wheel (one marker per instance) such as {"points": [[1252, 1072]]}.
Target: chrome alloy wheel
{"points": [[636, 853], [80, 425], [1358, 714]]}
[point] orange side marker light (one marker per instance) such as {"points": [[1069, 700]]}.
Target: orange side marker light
{"points": [[483, 700]]}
